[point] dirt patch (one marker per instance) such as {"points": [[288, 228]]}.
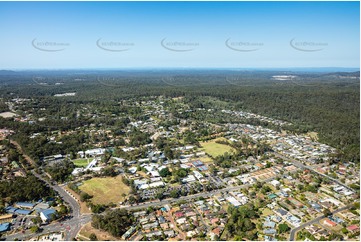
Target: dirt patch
{"points": [[88, 229]]}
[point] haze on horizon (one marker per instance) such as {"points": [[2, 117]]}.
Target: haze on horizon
{"points": [[78, 35]]}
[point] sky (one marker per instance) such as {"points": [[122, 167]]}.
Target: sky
{"points": [[63, 35]]}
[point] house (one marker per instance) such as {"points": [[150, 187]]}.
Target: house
{"points": [[312, 229], [179, 214], [169, 233], [269, 224], [216, 232], [233, 201], [276, 218], [353, 228], [128, 233], [164, 226], [47, 215], [214, 220], [181, 220], [329, 223], [269, 231], [167, 208], [150, 225], [295, 202], [161, 219], [275, 183], [4, 227], [281, 212]]}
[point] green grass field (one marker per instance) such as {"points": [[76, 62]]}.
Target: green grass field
{"points": [[214, 149], [266, 212], [105, 190], [81, 162]]}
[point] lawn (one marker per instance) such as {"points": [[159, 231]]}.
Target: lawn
{"points": [[81, 162], [205, 159], [214, 149], [105, 190], [266, 212]]}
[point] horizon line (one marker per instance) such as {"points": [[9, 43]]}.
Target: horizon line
{"points": [[171, 68]]}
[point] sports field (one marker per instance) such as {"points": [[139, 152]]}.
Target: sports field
{"points": [[214, 149], [81, 162], [105, 190]]}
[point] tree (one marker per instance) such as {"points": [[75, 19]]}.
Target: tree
{"points": [[109, 171], [327, 212], [63, 210], [165, 172], [93, 237], [174, 194], [35, 229], [282, 228], [36, 220], [116, 222], [84, 196]]}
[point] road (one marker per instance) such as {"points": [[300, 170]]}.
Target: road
{"points": [[190, 197], [65, 226], [316, 220], [72, 226], [75, 223], [302, 166]]}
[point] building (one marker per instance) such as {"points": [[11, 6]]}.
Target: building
{"points": [[23, 211], [24, 205], [353, 228], [6, 218], [270, 231], [47, 215], [4, 227], [233, 201], [329, 223], [129, 232]]}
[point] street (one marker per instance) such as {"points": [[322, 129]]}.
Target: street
{"points": [[74, 224], [316, 220]]}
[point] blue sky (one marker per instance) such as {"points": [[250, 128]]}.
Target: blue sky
{"points": [[194, 34]]}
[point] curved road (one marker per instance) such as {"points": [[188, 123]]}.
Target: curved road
{"points": [[316, 220], [72, 225], [73, 204], [65, 226]]}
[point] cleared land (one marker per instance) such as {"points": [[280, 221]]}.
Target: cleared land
{"points": [[214, 149], [105, 190], [7, 114], [81, 162], [266, 212], [313, 135], [205, 159], [87, 230]]}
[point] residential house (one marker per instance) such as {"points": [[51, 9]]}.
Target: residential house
{"points": [[328, 222]]}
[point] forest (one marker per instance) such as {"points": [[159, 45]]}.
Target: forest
{"points": [[115, 222], [327, 103], [18, 190]]}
